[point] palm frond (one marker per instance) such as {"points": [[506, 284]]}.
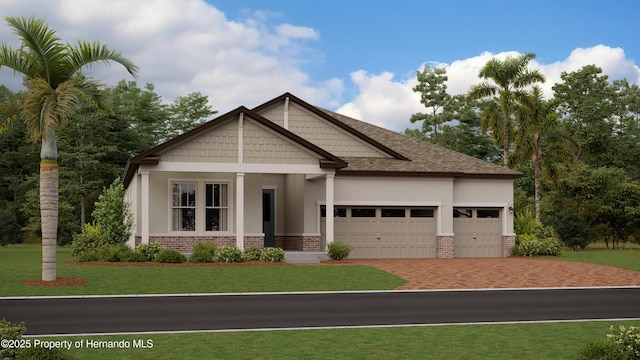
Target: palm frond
{"points": [[9, 111], [44, 51], [85, 54]]}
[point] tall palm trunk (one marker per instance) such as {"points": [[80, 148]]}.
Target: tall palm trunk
{"points": [[49, 216], [49, 205], [537, 173], [505, 153]]}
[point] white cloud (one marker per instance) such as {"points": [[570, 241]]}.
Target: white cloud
{"points": [[298, 32], [384, 101], [183, 46]]}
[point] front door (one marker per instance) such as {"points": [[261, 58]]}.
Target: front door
{"points": [[268, 218]]}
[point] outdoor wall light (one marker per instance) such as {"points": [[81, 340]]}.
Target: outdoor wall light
{"points": [[511, 209]]}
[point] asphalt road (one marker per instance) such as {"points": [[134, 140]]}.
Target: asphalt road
{"points": [[222, 312]]}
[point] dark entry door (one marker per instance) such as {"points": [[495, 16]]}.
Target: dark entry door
{"points": [[268, 217]]}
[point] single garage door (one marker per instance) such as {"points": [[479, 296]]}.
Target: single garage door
{"points": [[478, 232], [385, 232]]}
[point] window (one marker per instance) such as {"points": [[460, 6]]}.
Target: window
{"points": [[393, 213], [462, 213], [363, 212], [421, 213], [488, 214], [183, 208], [337, 212], [216, 207]]}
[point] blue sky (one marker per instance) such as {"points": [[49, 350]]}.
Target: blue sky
{"points": [[356, 57]]}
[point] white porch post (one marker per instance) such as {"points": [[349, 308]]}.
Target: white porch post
{"points": [[145, 208], [329, 208], [240, 210]]}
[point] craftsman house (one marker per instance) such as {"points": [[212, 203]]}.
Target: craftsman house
{"points": [[268, 176]]}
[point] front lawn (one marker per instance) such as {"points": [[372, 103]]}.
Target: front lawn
{"points": [[507, 341], [597, 254], [19, 263]]}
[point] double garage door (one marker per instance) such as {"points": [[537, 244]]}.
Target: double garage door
{"points": [[384, 232], [399, 232]]}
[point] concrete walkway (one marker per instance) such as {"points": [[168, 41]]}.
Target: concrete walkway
{"points": [[483, 273]]}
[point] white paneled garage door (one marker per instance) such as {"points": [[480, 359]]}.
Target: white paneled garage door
{"points": [[478, 232], [385, 232]]}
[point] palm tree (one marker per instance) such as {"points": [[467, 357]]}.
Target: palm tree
{"points": [[539, 138], [510, 77], [55, 87]]}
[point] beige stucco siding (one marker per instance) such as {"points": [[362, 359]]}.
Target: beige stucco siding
{"points": [[219, 145], [262, 146], [480, 193], [383, 192]]}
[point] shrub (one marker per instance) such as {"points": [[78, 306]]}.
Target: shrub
{"points": [[170, 256], [90, 239], [88, 256], [228, 254], [113, 215], [524, 222], [202, 253], [272, 254], [338, 250], [10, 332], [39, 353], [531, 245], [252, 253], [114, 252], [133, 256], [571, 229], [601, 350], [149, 250], [627, 340]]}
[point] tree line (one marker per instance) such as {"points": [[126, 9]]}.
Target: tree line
{"points": [[578, 150], [93, 150]]}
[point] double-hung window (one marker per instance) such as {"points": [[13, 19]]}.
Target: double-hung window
{"points": [[183, 209], [216, 207]]}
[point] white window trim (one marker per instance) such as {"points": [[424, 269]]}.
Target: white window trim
{"points": [[200, 206]]}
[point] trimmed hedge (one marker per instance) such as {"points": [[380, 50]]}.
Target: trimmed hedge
{"points": [[338, 250], [272, 254]]}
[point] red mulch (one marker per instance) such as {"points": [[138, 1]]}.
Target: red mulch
{"points": [[184, 264], [57, 282]]}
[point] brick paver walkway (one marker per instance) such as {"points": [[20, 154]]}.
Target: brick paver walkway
{"points": [[482, 273]]}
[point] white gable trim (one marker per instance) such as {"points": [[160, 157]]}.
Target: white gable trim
{"points": [[238, 168]]}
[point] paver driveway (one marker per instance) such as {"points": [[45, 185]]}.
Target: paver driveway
{"points": [[482, 273]]}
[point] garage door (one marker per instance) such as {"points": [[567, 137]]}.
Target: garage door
{"points": [[478, 232], [385, 232]]}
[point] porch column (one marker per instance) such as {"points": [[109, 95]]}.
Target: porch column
{"points": [[144, 226], [329, 208], [240, 210]]}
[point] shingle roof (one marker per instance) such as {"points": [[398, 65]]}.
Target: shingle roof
{"points": [[424, 158]]}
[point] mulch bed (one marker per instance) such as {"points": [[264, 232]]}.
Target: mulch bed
{"points": [[57, 282], [184, 264]]}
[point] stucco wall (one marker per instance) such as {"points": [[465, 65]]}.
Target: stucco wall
{"points": [[382, 191], [485, 193]]}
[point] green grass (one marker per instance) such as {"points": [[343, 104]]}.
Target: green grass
{"points": [[597, 254], [522, 341], [509, 341], [22, 262]]}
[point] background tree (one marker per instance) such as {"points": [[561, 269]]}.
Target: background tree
{"points": [[55, 86], [187, 112], [541, 142], [588, 104], [433, 95], [509, 78]]}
